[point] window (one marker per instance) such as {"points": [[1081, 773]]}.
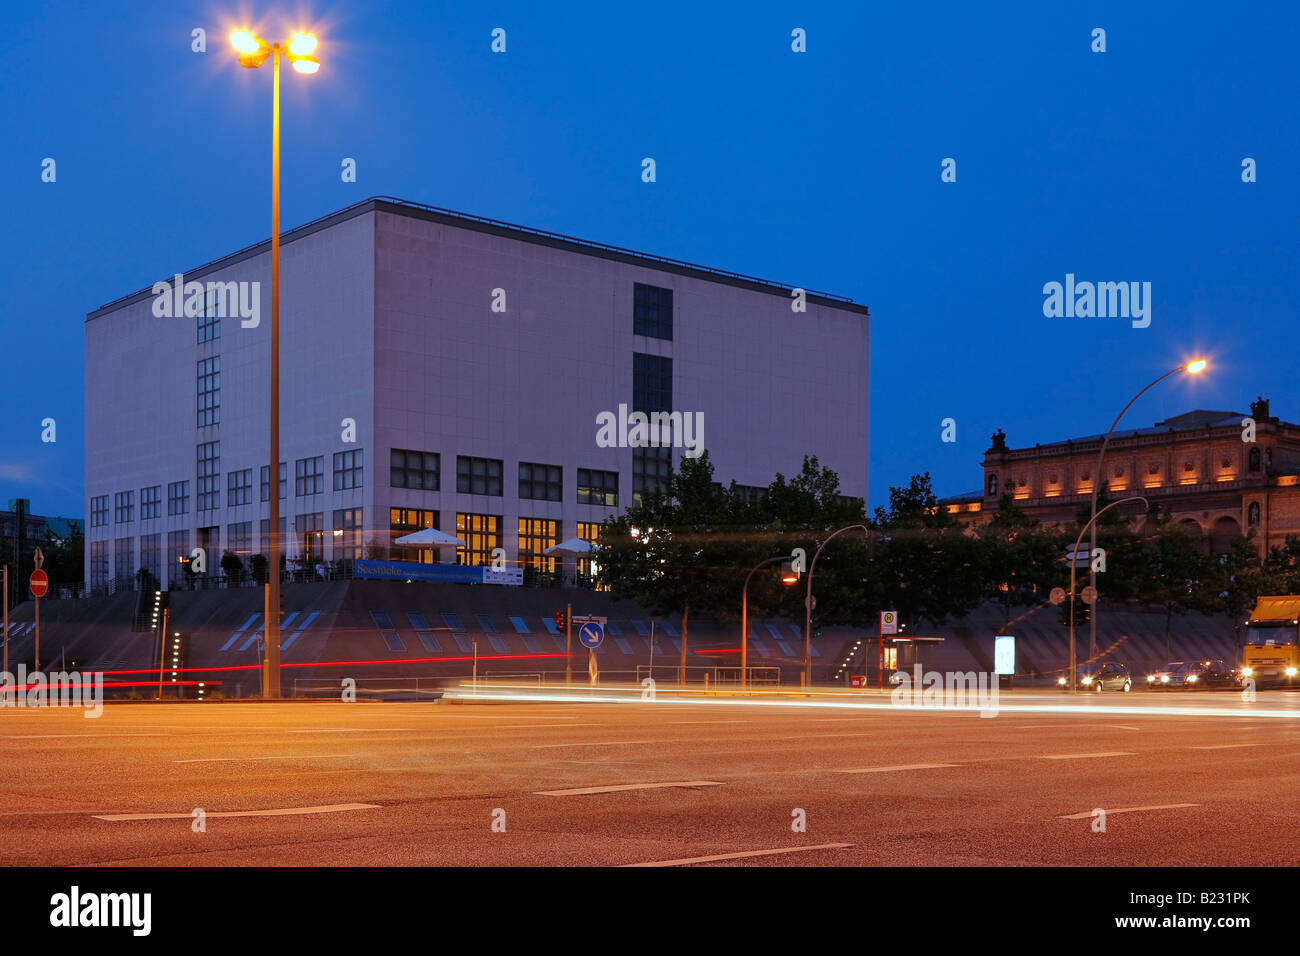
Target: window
{"points": [[414, 469], [266, 481], [178, 554], [209, 391], [150, 502], [481, 534], [124, 507], [650, 470], [209, 476], [751, 494], [348, 469], [540, 482], [265, 527], [478, 476], [123, 560], [347, 534], [99, 511], [597, 487], [588, 531], [311, 536], [239, 538], [210, 320], [178, 497], [151, 556], [535, 536], [652, 383], [99, 560], [403, 521], [239, 487], [309, 476], [652, 311]]}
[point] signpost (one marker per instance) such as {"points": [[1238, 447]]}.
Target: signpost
{"points": [[40, 583], [591, 635]]}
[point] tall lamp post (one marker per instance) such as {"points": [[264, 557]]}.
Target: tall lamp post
{"points": [[788, 576], [1192, 368], [253, 52], [806, 678]]}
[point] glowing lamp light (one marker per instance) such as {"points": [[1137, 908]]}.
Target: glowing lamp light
{"points": [[1197, 366], [306, 64], [302, 44], [245, 42]]}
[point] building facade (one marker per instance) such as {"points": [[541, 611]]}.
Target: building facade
{"points": [[1219, 474], [441, 370]]}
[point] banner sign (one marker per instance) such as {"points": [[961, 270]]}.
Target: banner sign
{"points": [[452, 573]]}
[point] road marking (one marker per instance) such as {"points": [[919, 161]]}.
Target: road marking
{"points": [[1163, 806], [353, 730], [738, 856], [819, 736], [1225, 746], [901, 766], [238, 759], [627, 786], [283, 812], [57, 736], [495, 716], [1104, 753], [709, 721], [608, 743]]}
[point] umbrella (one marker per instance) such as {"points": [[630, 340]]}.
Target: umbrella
{"points": [[574, 547], [430, 537]]}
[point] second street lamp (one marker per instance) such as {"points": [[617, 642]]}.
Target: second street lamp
{"points": [[253, 52], [806, 677], [788, 576]]}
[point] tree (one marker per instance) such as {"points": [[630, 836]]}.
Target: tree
{"points": [[233, 565], [1177, 575], [1021, 558]]}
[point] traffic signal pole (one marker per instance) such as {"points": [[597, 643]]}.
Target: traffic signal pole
{"points": [[568, 644]]}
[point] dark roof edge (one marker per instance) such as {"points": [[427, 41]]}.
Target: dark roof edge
{"points": [[402, 207]]}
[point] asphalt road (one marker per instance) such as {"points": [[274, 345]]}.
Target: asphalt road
{"points": [[419, 783]]}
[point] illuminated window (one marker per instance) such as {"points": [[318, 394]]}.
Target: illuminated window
{"points": [[597, 487], [535, 536], [347, 533], [404, 521], [481, 534], [589, 531], [310, 529]]}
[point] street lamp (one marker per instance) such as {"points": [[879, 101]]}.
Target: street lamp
{"points": [[1074, 565], [788, 576], [805, 678], [253, 52], [1193, 367]]}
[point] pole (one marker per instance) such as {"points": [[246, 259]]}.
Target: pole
{"points": [[652, 652], [475, 682], [805, 678], [744, 636], [1073, 567], [38, 633], [6, 667], [162, 653], [568, 644], [880, 658], [271, 678]]}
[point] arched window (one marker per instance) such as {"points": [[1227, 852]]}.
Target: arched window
{"points": [[993, 486], [1254, 460], [1252, 513]]}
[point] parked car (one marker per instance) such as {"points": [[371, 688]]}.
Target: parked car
{"points": [[1196, 675]]}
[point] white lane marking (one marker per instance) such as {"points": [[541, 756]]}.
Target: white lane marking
{"points": [[57, 736], [1104, 753], [742, 855], [901, 766], [710, 722], [240, 759], [1225, 746], [608, 743], [353, 730], [282, 812], [1162, 806], [495, 716], [627, 786], [820, 736], [1076, 724]]}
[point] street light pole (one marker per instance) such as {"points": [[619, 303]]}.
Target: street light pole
{"points": [[1074, 566], [744, 616], [805, 678], [1192, 368], [253, 52]]}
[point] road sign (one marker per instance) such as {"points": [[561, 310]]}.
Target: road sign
{"points": [[1089, 595], [1057, 595], [1081, 558], [40, 583], [1004, 654], [888, 622], [591, 634]]}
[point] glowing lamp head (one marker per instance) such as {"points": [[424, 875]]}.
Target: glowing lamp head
{"points": [[788, 574], [1197, 366], [302, 44], [306, 64], [245, 42]]}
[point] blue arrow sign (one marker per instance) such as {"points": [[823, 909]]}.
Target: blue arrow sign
{"points": [[591, 634]]}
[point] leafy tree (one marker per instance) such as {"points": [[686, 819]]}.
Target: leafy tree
{"points": [[233, 565], [1177, 575], [1022, 559]]}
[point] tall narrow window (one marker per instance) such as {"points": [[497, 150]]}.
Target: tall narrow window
{"points": [[209, 391], [209, 476], [652, 311]]}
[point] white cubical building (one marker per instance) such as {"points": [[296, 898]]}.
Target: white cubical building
{"points": [[442, 370]]}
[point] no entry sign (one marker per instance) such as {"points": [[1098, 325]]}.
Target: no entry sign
{"points": [[40, 583]]}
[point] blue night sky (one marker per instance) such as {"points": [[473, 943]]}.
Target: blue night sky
{"points": [[819, 169]]}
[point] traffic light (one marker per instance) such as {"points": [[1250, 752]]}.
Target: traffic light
{"points": [[561, 620]]}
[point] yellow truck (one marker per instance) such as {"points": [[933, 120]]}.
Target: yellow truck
{"points": [[1270, 652]]}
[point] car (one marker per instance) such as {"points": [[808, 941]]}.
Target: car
{"points": [[1194, 675], [1099, 677]]}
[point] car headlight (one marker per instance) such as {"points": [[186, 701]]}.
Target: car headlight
{"points": [[1290, 672], [1060, 681], [1247, 671], [1164, 678], [1151, 678], [1087, 680]]}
